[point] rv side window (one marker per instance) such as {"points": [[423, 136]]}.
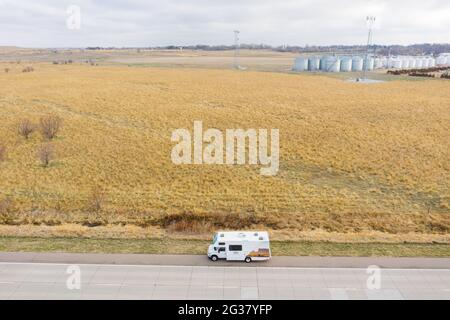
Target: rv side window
{"points": [[222, 249], [235, 248]]}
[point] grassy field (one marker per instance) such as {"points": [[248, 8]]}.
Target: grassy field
{"points": [[354, 158], [182, 246], [262, 60]]}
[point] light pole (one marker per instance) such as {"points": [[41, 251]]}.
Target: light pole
{"points": [[236, 49], [370, 22]]}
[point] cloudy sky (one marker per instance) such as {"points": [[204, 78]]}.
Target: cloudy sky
{"points": [[53, 23]]}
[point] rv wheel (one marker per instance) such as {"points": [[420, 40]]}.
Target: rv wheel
{"points": [[248, 259], [214, 258]]}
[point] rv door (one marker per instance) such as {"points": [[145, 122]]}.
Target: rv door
{"points": [[235, 252], [222, 252]]}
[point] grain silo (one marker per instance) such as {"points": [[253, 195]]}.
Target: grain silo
{"points": [[391, 63], [395, 63], [346, 64], [419, 63], [405, 62], [301, 64], [330, 64], [441, 60], [357, 64], [314, 64], [431, 62], [368, 63], [412, 63], [378, 64], [425, 63]]}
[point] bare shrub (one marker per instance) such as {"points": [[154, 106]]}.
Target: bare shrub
{"points": [[94, 205], [96, 200], [25, 128], [2, 152], [46, 154], [190, 226], [28, 69], [6, 70], [5, 205], [192, 222], [49, 126], [7, 215]]}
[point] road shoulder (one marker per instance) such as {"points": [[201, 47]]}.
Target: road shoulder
{"points": [[201, 260]]}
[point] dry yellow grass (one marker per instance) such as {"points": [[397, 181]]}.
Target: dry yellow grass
{"points": [[155, 232], [354, 158]]}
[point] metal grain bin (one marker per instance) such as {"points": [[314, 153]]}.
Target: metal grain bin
{"points": [[368, 63], [330, 64], [314, 64], [357, 64], [301, 64], [346, 64]]}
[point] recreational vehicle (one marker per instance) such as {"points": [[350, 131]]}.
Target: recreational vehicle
{"points": [[245, 246]]}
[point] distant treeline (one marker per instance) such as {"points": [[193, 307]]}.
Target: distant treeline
{"points": [[415, 49]]}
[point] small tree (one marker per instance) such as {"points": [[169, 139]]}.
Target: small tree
{"points": [[46, 154], [25, 128], [96, 200], [50, 126], [5, 205], [2, 152]]}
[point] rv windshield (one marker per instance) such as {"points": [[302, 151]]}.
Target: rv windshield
{"points": [[215, 238]]}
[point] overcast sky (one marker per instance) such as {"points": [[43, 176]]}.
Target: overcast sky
{"points": [[43, 23]]}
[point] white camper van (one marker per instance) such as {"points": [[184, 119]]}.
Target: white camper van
{"points": [[245, 246]]}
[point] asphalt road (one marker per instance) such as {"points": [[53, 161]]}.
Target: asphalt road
{"points": [[202, 260], [59, 281]]}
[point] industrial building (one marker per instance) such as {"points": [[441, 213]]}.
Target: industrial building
{"points": [[342, 63]]}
